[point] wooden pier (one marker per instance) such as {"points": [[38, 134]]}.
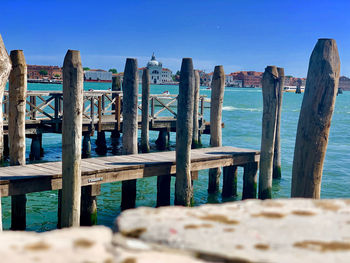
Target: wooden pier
{"points": [[15, 180], [20, 180], [102, 112]]}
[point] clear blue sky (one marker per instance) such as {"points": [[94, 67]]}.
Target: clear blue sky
{"points": [[239, 34]]}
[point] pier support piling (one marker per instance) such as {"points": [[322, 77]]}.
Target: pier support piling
{"points": [[16, 130], [195, 136], [315, 119], [130, 93], [250, 179], [229, 185], [163, 190], [145, 112], [88, 212], [276, 172], [101, 145], [6, 147], [162, 141], [35, 148], [86, 153], [73, 79], [269, 91], [184, 126], [217, 98]]}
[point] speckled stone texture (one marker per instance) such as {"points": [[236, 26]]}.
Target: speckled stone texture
{"points": [[289, 230]]}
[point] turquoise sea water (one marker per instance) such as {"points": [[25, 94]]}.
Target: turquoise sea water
{"points": [[242, 113]]}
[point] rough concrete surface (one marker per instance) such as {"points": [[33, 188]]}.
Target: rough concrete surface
{"points": [[299, 230], [283, 230]]}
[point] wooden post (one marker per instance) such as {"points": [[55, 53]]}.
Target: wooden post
{"points": [[315, 119], [162, 141], [92, 115], [89, 193], [32, 109], [116, 132], [5, 68], [195, 136], [86, 153], [250, 179], [115, 87], [16, 130], [73, 79], [298, 89], [276, 172], [217, 98], [145, 114], [101, 144], [163, 190], [184, 126], [130, 91], [35, 148], [269, 90], [229, 185]]}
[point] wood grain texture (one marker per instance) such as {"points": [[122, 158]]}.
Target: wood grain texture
{"points": [[130, 93], [16, 128], [184, 126], [276, 172], [5, 68], [315, 119], [195, 136], [269, 90], [145, 111], [217, 98], [73, 78]]}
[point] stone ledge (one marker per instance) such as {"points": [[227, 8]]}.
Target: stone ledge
{"points": [[284, 230]]}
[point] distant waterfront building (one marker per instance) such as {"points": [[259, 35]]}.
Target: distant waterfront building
{"points": [[205, 78], [97, 75], [344, 83], [44, 72], [157, 74], [248, 78]]}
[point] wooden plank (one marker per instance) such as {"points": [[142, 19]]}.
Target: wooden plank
{"points": [[47, 176]]}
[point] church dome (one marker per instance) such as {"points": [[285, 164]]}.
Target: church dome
{"points": [[153, 62]]}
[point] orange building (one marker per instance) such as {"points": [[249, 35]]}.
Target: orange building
{"points": [[44, 72]]}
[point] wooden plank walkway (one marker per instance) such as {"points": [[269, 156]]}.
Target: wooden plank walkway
{"points": [[15, 180]]}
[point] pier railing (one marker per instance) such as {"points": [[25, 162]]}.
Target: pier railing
{"points": [[48, 106]]}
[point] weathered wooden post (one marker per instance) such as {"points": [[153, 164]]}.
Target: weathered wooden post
{"points": [[184, 126], [229, 184], [5, 68], [130, 91], [217, 98], [162, 141], [145, 114], [16, 131], [86, 152], [115, 133], [269, 90], [35, 148], [73, 78], [315, 119], [101, 145], [195, 136], [298, 89], [276, 172], [250, 179]]}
